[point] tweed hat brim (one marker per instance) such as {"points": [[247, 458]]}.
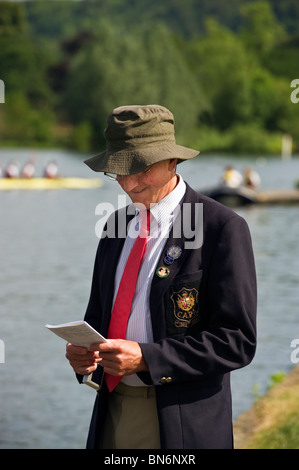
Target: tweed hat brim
{"points": [[134, 161], [137, 137]]}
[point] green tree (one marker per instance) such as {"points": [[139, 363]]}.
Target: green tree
{"points": [[24, 125], [265, 101], [12, 19], [261, 31], [27, 114], [221, 65], [140, 67]]}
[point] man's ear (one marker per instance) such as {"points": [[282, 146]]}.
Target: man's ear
{"points": [[172, 164]]}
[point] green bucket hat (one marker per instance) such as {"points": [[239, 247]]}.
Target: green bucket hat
{"points": [[137, 137]]}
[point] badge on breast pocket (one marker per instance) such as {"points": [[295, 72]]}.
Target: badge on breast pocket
{"points": [[185, 307]]}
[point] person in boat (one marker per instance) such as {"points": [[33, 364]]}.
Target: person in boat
{"points": [[28, 170], [252, 179], [231, 178], [192, 319], [12, 170], [51, 170]]}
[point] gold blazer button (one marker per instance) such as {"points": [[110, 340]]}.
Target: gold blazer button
{"points": [[164, 380]]}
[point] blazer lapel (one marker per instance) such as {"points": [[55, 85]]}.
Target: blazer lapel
{"points": [[160, 285], [177, 238]]}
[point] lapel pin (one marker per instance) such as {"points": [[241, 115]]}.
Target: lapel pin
{"points": [[163, 271], [173, 253]]}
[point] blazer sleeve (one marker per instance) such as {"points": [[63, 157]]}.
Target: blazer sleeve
{"points": [[228, 340], [93, 311]]}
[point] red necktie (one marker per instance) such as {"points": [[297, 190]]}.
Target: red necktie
{"points": [[123, 301]]}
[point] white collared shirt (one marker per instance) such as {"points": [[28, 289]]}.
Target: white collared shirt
{"points": [[163, 215]]}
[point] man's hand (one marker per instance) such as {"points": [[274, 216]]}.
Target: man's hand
{"points": [[82, 360], [120, 357]]}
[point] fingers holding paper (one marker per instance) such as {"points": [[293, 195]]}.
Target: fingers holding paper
{"points": [[82, 360], [120, 357]]}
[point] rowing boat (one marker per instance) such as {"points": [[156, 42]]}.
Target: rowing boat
{"points": [[231, 197], [48, 183], [234, 197]]}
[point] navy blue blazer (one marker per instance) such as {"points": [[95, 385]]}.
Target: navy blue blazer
{"points": [[204, 325]]}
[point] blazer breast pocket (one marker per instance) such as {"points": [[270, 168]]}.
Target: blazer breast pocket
{"points": [[182, 304]]}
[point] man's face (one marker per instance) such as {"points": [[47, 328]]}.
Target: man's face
{"points": [[152, 184]]}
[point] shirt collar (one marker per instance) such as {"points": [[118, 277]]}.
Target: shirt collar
{"points": [[166, 207], [165, 210]]}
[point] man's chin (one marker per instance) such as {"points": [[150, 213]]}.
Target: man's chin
{"points": [[140, 198]]}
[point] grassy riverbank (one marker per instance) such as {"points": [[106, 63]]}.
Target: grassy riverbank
{"points": [[273, 421]]}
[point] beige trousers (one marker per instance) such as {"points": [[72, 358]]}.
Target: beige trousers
{"points": [[132, 421]]}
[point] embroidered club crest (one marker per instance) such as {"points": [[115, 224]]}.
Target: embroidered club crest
{"points": [[185, 304]]}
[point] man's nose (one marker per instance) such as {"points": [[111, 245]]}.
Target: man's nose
{"points": [[128, 182]]}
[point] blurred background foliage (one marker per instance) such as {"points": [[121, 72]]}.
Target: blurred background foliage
{"points": [[224, 69]]}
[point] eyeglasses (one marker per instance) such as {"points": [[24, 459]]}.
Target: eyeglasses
{"points": [[115, 177]]}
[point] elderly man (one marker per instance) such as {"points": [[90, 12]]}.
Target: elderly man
{"points": [[164, 373]]}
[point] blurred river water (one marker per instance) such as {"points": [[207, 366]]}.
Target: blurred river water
{"points": [[47, 245]]}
